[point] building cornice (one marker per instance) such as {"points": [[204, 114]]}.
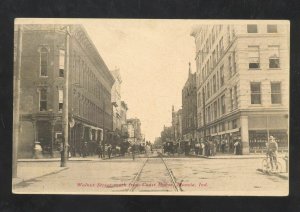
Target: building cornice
{"points": [[86, 43]]}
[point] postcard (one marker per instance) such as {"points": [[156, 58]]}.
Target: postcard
{"points": [[151, 107]]}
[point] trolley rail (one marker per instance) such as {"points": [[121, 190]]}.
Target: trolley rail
{"points": [[147, 175]]}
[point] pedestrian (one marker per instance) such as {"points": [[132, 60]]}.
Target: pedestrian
{"points": [[214, 148], [99, 150], [85, 149], [223, 146], [207, 150], [109, 151], [236, 146]]}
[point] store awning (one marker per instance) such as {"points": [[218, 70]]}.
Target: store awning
{"points": [[92, 127]]}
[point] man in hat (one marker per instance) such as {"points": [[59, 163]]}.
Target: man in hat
{"points": [[272, 149]]}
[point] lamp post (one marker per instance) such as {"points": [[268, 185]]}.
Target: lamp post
{"points": [[64, 155]]}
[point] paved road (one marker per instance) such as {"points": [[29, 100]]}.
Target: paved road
{"points": [[197, 175], [229, 176], [154, 176]]}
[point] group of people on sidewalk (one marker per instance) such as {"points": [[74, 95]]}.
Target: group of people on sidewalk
{"points": [[210, 148], [206, 148]]}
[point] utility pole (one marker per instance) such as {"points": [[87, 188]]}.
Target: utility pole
{"points": [[64, 155], [16, 110]]}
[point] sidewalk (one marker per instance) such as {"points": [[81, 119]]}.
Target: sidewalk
{"points": [[232, 156], [31, 172], [26, 173], [88, 158]]}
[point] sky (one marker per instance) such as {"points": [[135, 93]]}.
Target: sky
{"points": [[153, 57]]}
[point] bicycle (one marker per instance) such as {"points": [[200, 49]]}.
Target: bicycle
{"points": [[267, 166]]}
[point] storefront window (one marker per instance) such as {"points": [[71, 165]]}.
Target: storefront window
{"points": [[259, 138]]}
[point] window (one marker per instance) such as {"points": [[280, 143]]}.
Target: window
{"points": [[60, 100], [43, 61], [272, 28], [43, 99], [222, 75], [230, 66], [275, 92], [215, 110], [223, 109], [208, 90], [223, 126], [218, 86], [255, 93], [235, 97], [233, 63], [251, 28], [274, 57], [234, 124], [253, 57], [61, 63], [214, 58], [221, 46], [214, 84], [208, 114], [231, 99]]}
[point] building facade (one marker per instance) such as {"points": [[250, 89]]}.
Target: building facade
{"points": [[189, 108], [123, 113], [136, 123], [177, 124], [116, 100], [243, 83], [42, 84]]}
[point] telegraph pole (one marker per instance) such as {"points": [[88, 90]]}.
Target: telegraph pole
{"points": [[16, 110], [64, 155]]}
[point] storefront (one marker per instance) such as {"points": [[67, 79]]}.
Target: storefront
{"points": [[261, 127]]}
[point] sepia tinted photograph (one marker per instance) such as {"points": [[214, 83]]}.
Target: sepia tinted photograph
{"points": [[151, 107]]}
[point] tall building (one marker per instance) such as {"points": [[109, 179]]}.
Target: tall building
{"points": [[167, 135], [243, 82], [123, 112], [177, 124], [189, 107], [136, 123], [42, 85], [116, 99]]}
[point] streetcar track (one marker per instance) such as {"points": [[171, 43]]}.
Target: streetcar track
{"points": [[134, 182]]}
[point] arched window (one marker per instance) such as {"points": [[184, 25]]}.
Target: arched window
{"points": [[44, 61]]}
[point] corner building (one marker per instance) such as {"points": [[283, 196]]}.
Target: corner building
{"points": [[42, 85], [243, 83]]}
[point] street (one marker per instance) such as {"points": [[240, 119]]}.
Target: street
{"points": [[198, 176]]}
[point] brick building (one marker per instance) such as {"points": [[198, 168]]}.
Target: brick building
{"points": [[42, 83], [189, 108], [243, 83]]}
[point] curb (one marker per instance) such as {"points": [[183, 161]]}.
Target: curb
{"points": [[70, 159], [33, 178], [229, 157]]}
